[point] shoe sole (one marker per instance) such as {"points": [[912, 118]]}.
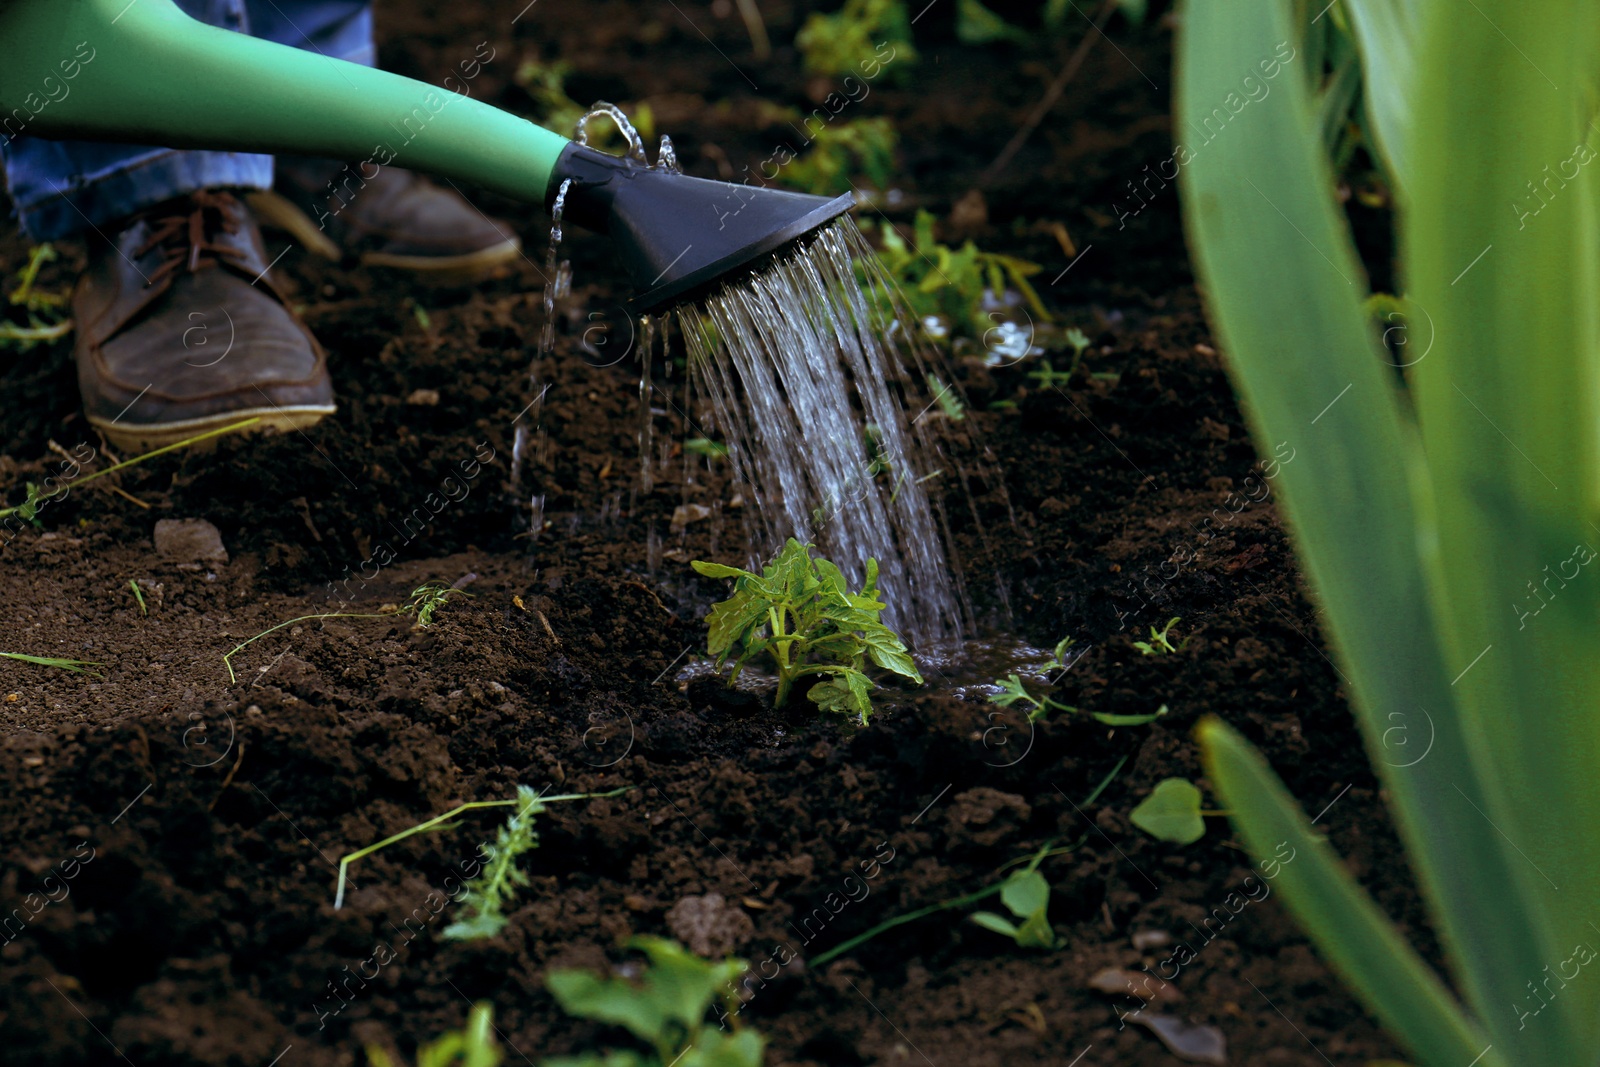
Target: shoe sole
{"points": [[276, 210], [276, 419]]}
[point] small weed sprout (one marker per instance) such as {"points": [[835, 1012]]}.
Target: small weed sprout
{"points": [[29, 508], [138, 594], [1014, 691], [425, 600], [1080, 344], [473, 1046], [42, 310], [947, 398], [487, 894], [1045, 375], [666, 1008], [1020, 896], [799, 611], [1160, 643], [1026, 895], [444, 822]]}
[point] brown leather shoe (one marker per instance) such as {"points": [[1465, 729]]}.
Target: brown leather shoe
{"points": [[384, 217], [180, 331]]}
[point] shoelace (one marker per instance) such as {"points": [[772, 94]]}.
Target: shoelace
{"points": [[185, 234]]}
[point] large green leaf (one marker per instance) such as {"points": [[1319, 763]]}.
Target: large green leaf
{"points": [[1502, 252], [1285, 293], [1365, 948], [1386, 32]]}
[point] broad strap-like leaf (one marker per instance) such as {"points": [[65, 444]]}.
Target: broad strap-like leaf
{"points": [[1285, 293], [1385, 32], [1348, 928], [1502, 250]]}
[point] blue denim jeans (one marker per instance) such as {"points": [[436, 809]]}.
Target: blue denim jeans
{"points": [[60, 188]]}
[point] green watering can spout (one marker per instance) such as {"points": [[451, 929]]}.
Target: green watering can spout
{"points": [[146, 73]]}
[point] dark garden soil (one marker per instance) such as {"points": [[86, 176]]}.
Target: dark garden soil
{"points": [[202, 930]]}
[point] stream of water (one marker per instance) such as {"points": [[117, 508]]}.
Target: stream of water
{"points": [[832, 411], [823, 397]]}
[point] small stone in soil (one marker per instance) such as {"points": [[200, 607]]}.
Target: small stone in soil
{"points": [[1119, 982], [709, 925], [1146, 939], [189, 540], [684, 514], [1185, 1040]]}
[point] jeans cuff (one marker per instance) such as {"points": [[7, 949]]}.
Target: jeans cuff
{"points": [[96, 200]]}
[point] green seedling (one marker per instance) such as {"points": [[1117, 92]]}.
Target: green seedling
{"points": [[473, 1046], [29, 508], [799, 611], [1047, 377], [1160, 643], [425, 600], [138, 594], [1171, 812], [937, 281], [1080, 344], [443, 822], [1026, 895], [487, 895], [1014, 691], [665, 1007], [840, 153], [74, 666], [45, 321], [972, 898], [835, 45], [420, 313]]}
